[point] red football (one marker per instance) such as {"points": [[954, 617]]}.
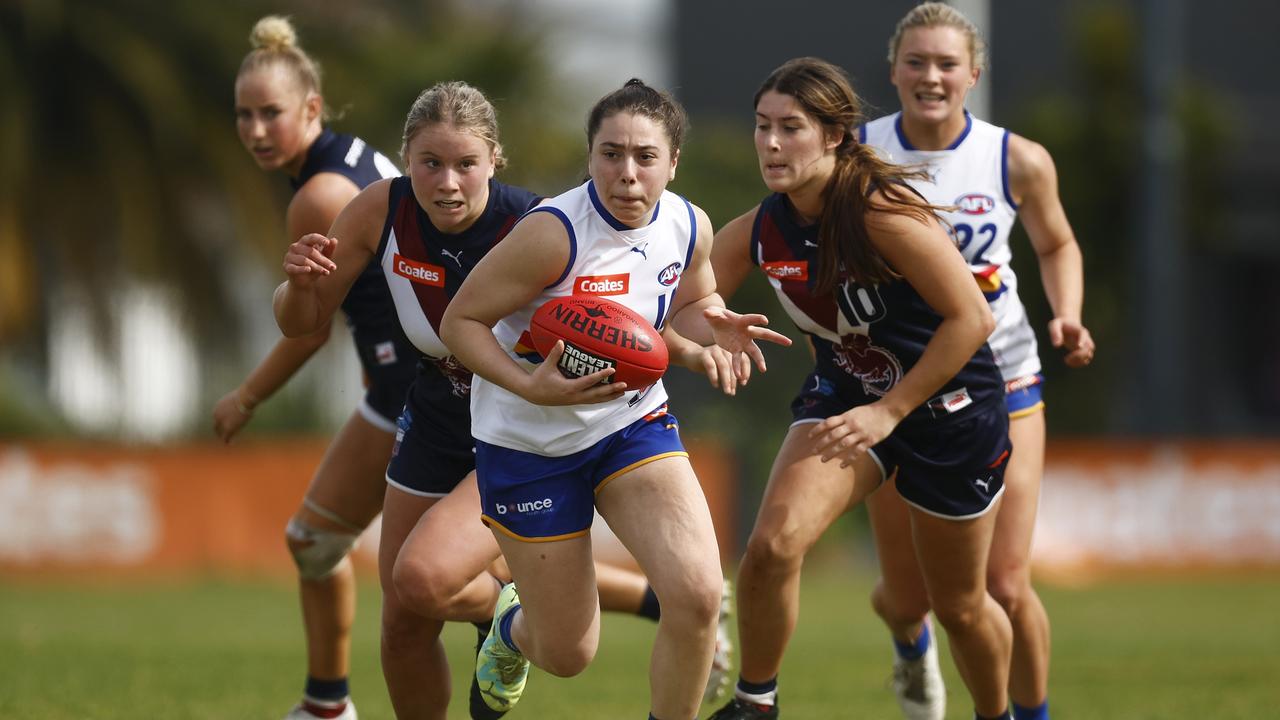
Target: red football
{"points": [[599, 333]]}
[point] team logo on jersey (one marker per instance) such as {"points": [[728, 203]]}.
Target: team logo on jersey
{"points": [[456, 257], [525, 349], [875, 366], [950, 402], [975, 204], [419, 272], [385, 353], [602, 284], [989, 282], [787, 269], [456, 373], [670, 274]]}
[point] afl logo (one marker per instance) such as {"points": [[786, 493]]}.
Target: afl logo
{"points": [[670, 274], [976, 204]]}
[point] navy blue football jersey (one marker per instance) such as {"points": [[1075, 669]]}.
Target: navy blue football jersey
{"points": [[425, 267], [866, 338], [368, 303]]}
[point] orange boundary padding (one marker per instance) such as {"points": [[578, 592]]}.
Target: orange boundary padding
{"points": [[91, 508]]}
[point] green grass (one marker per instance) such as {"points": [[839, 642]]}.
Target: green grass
{"points": [[1154, 648]]}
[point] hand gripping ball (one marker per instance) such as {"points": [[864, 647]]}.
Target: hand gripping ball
{"points": [[599, 333]]}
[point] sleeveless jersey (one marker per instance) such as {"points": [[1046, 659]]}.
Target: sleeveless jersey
{"points": [[638, 267], [866, 338], [425, 267], [972, 175], [367, 301]]}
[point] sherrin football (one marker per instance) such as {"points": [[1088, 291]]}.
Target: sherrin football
{"points": [[599, 333]]}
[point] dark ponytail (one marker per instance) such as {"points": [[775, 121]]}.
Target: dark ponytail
{"points": [[862, 182], [637, 98]]}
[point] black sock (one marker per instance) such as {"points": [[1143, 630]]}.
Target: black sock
{"points": [[329, 691]]}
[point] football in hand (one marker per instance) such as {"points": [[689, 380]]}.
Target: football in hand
{"points": [[599, 333]]}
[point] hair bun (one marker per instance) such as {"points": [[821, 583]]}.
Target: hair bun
{"points": [[635, 82], [273, 33]]}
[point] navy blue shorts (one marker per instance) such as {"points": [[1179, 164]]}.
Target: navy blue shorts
{"points": [[955, 470], [538, 498], [953, 467], [434, 450], [390, 364]]}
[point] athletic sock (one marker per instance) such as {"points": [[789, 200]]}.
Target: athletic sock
{"points": [[504, 627], [326, 691], [325, 698], [1039, 712], [649, 605], [913, 650], [765, 693]]}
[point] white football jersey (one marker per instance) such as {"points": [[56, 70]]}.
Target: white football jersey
{"points": [[638, 267], [972, 175]]}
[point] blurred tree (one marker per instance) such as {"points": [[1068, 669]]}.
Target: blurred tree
{"points": [[119, 162]]}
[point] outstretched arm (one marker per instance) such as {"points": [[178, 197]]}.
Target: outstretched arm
{"points": [[699, 314], [322, 268], [313, 209], [1033, 179]]}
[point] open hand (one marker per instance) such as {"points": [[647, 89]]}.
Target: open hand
{"points": [[738, 334]]}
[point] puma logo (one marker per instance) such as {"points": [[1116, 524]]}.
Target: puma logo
{"points": [[641, 249], [984, 484], [456, 258]]}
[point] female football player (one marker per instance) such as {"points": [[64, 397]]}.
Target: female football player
{"points": [[989, 177], [550, 449]]}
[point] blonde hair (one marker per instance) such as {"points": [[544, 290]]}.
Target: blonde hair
{"points": [[936, 14], [275, 41], [460, 105]]}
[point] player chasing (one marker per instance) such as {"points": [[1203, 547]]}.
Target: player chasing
{"points": [[903, 382], [989, 176], [280, 116], [579, 444]]}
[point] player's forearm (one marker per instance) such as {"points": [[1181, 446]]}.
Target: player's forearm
{"points": [[1062, 274], [952, 345], [284, 360], [297, 310], [689, 322], [475, 346]]}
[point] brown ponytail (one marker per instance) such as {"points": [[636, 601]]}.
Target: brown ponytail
{"points": [[844, 245]]}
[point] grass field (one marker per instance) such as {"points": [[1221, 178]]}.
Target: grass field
{"points": [[1154, 648]]}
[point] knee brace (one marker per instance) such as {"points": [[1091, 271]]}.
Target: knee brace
{"points": [[317, 552]]}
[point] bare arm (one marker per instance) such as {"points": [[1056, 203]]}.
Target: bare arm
{"points": [[322, 268], [313, 209], [698, 311], [508, 278], [731, 253], [933, 266], [1033, 179]]}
